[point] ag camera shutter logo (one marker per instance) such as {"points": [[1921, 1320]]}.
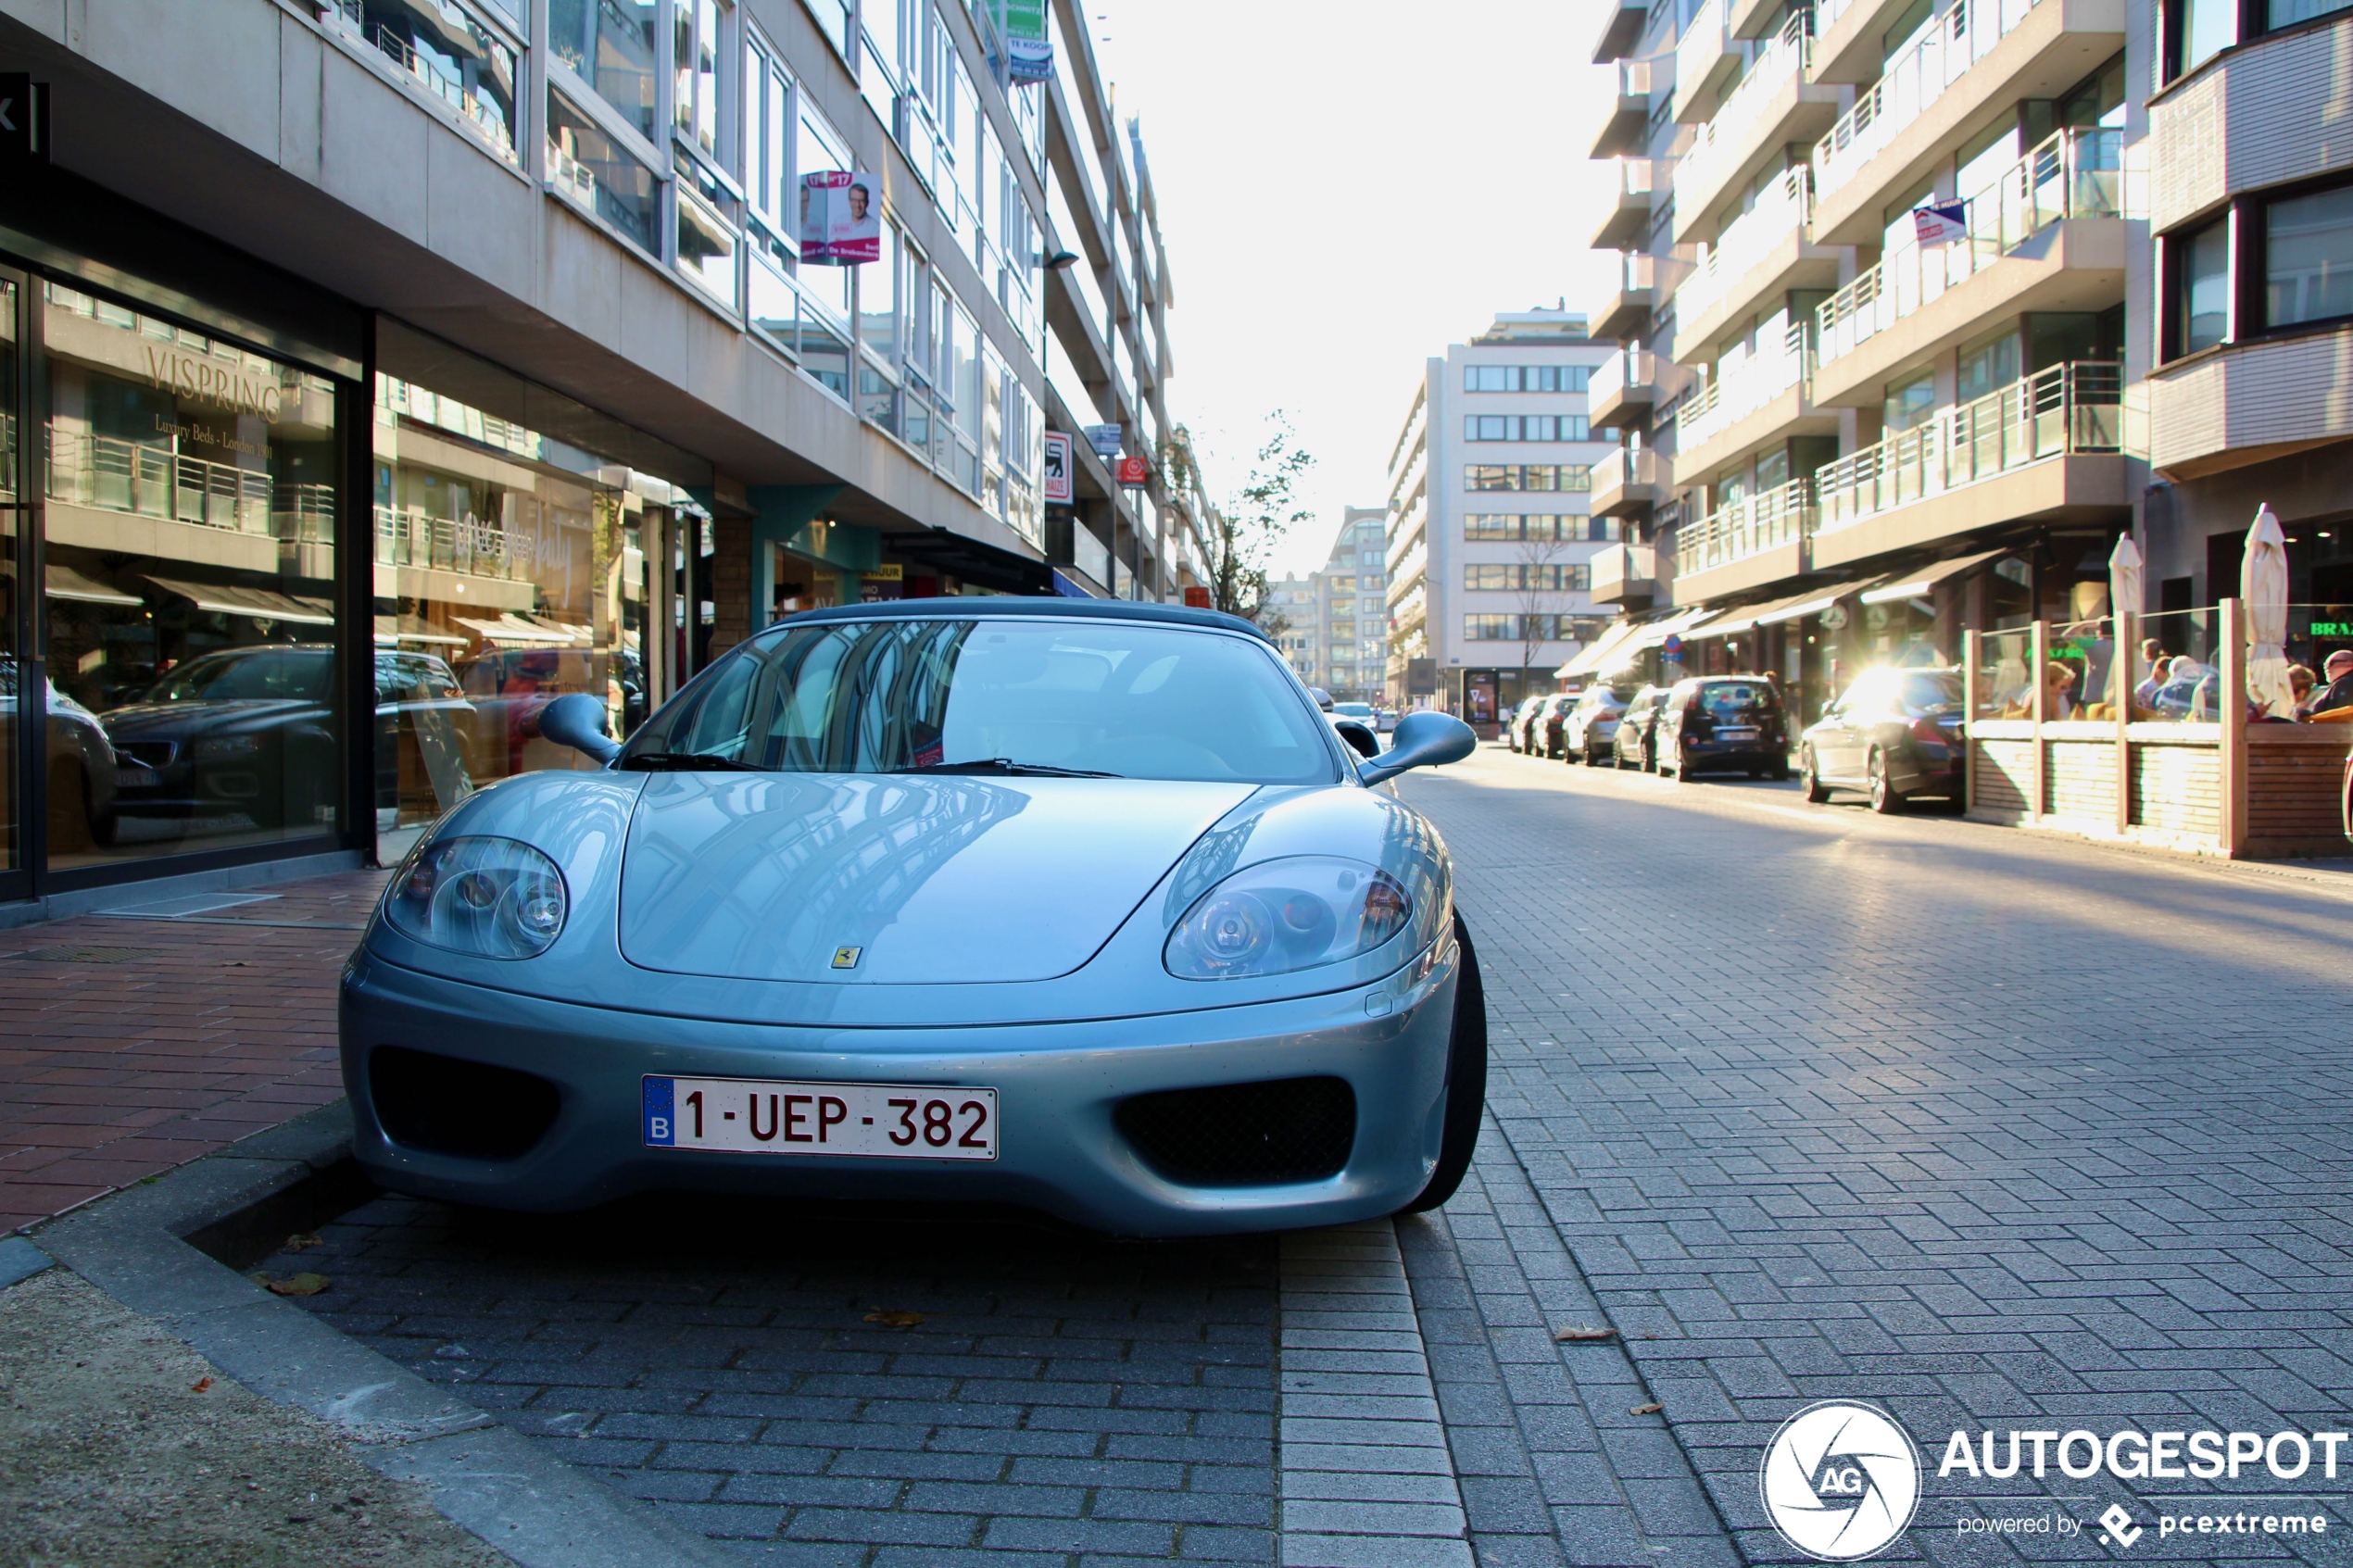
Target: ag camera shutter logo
{"points": [[1840, 1481]]}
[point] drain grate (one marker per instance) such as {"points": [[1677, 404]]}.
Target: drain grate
{"points": [[68, 953]]}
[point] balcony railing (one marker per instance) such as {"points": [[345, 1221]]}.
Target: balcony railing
{"points": [[476, 548], [1723, 140], [1780, 211], [2075, 407], [1748, 387], [1749, 526], [2071, 174], [149, 479], [1627, 367], [1951, 42]]}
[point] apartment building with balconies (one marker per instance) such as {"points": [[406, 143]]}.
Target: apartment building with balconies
{"points": [[475, 344], [1490, 538], [1896, 253]]}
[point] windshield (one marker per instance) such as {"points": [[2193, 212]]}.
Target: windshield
{"points": [[273, 675], [1133, 699]]}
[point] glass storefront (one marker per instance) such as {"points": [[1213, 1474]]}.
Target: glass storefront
{"points": [[188, 590], [177, 537], [11, 539], [511, 568]]}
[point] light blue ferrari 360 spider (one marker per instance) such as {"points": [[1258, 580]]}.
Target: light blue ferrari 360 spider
{"points": [[1073, 904]]}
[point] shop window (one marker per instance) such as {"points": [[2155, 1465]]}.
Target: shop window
{"points": [[609, 46], [511, 567], [11, 850], [190, 590], [589, 165], [2307, 258]]}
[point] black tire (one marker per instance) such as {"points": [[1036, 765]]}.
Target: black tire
{"points": [[1593, 756], [1886, 799], [1817, 792], [1465, 1082], [1650, 757], [1682, 763]]}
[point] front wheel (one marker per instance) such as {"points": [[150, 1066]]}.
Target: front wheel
{"points": [[1465, 1082], [1817, 792]]}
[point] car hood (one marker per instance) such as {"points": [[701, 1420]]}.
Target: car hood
{"points": [[895, 879]]}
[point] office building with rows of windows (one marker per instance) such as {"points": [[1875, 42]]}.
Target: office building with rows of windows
{"points": [[1491, 536], [1335, 620], [1925, 304], [398, 365]]}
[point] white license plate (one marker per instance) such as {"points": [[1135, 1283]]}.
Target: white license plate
{"points": [[765, 1116], [1736, 735]]}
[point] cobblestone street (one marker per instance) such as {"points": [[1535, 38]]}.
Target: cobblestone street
{"points": [[1990, 1129]]}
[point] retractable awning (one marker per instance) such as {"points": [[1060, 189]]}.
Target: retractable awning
{"points": [[394, 629], [1907, 584], [1657, 632], [261, 604], [507, 628], [65, 583], [1588, 658]]}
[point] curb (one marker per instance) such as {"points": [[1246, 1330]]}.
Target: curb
{"points": [[136, 1246]]}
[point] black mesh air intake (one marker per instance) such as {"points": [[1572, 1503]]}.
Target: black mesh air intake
{"points": [[1244, 1135], [445, 1106]]}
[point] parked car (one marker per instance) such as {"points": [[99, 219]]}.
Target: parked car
{"points": [[1516, 728], [82, 767], [1590, 727], [1630, 746], [244, 732], [1549, 719], [843, 919], [1724, 724], [1893, 734], [1388, 720]]}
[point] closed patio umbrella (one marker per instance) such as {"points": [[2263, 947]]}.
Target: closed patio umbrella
{"points": [[2125, 590], [2263, 584]]}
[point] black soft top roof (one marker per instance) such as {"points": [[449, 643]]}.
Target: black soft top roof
{"points": [[995, 605]]}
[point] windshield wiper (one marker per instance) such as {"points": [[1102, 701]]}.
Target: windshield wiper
{"points": [[1005, 765], [685, 762]]}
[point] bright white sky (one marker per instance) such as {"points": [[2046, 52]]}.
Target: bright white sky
{"points": [[1346, 186]]}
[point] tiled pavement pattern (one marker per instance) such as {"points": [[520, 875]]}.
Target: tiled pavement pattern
{"points": [[1065, 1400], [1987, 1127], [1554, 1465], [1367, 1478], [127, 1047]]}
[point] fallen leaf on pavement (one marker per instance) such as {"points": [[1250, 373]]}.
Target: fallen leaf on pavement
{"points": [[895, 1320], [300, 1242], [200, 1386], [1646, 1410], [303, 1284], [1576, 1336]]}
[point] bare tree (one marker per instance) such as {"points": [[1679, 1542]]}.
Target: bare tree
{"points": [[1539, 563], [1241, 534]]}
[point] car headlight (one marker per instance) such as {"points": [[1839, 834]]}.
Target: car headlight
{"points": [[489, 897], [1283, 915]]}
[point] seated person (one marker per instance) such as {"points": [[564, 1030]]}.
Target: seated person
{"points": [[2338, 693]]}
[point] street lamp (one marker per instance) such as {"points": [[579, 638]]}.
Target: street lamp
{"points": [[1059, 260]]}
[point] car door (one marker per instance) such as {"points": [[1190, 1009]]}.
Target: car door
{"points": [[1838, 738]]}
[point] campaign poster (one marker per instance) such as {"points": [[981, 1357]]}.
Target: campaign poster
{"points": [[1058, 480], [840, 218]]}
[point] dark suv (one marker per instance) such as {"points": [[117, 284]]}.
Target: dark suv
{"points": [[1724, 724]]}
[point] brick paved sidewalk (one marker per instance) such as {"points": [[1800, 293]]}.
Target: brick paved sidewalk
{"points": [[130, 1046]]}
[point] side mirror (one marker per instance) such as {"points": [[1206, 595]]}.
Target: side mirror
{"points": [[1423, 740], [577, 719], [1359, 734]]}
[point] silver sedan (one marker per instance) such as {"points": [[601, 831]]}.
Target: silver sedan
{"points": [[1078, 906]]}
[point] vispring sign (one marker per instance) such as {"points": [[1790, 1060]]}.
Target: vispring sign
{"points": [[1843, 1481]]}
